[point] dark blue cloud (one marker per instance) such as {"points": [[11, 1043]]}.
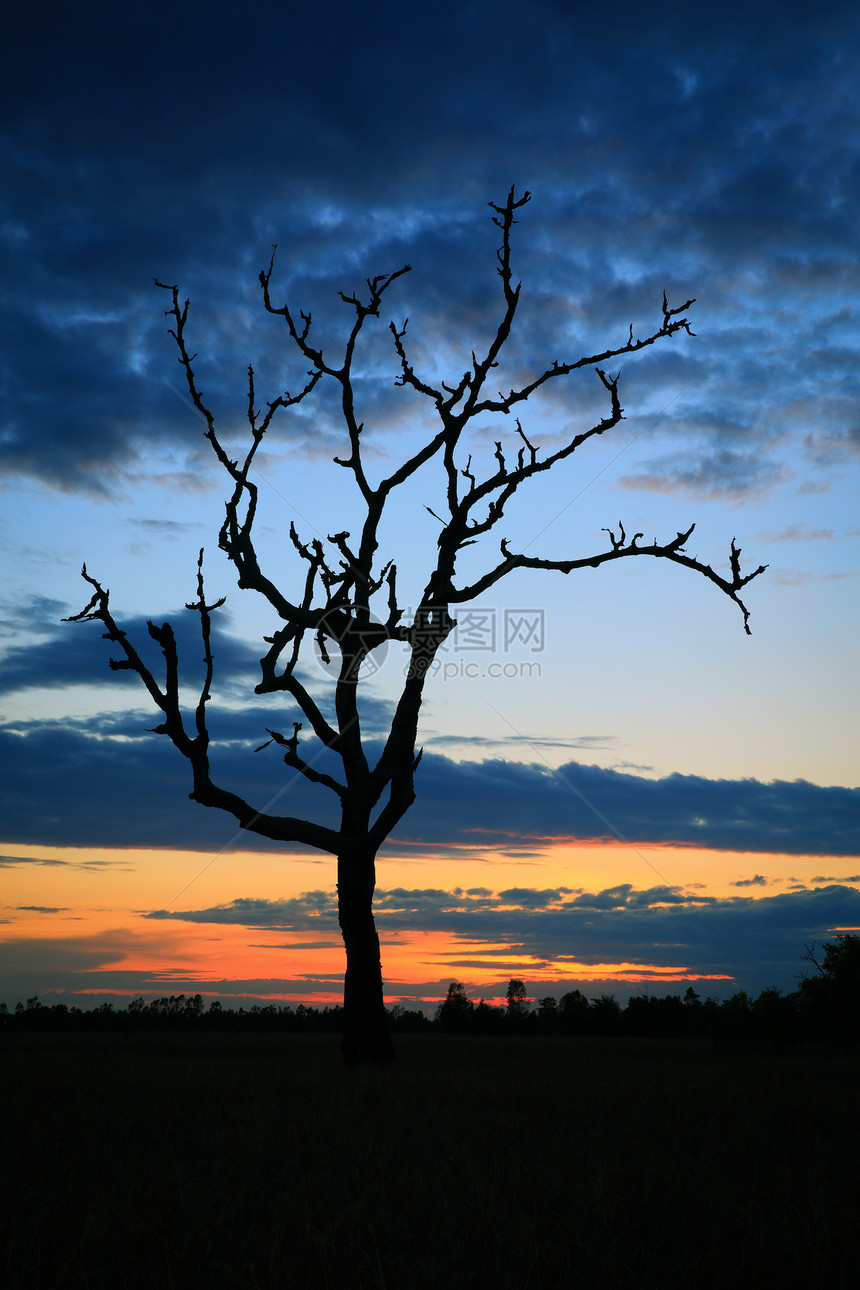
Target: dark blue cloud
{"points": [[715, 158], [504, 800], [102, 781], [76, 653], [308, 912]]}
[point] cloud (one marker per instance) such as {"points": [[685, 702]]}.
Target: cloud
{"points": [[499, 801], [562, 938], [33, 614], [758, 881], [76, 654], [798, 533], [791, 577], [176, 528], [732, 162], [745, 937], [587, 742], [48, 954], [97, 782], [726, 473], [7, 862], [303, 912], [427, 908], [529, 898]]}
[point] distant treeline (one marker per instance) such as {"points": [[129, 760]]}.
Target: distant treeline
{"points": [[826, 1004]]}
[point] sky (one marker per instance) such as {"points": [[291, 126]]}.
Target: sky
{"points": [[620, 790]]}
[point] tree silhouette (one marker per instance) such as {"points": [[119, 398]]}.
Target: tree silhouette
{"points": [[833, 996], [516, 1001], [345, 579], [455, 1012]]}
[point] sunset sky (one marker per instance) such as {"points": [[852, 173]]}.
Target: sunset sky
{"points": [[620, 789]]}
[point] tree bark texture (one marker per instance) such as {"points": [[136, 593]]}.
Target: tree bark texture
{"points": [[365, 1034]]}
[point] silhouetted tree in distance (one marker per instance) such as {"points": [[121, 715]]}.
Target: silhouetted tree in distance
{"points": [[516, 1001], [548, 1015], [605, 1015], [455, 1012], [346, 579], [573, 1008], [832, 994]]}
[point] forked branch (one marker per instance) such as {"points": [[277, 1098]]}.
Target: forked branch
{"points": [[195, 749]]}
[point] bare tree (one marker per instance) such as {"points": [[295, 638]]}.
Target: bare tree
{"points": [[345, 579]]}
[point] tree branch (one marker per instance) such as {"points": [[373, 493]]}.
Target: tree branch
{"points": [[195, 750], [292, 759], [670, 325], [620, 548], [205, 612]]}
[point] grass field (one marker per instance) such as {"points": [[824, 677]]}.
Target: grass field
{"points": [[210, 1161]]}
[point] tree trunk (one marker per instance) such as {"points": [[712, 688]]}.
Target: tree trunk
{"points": [[365, 1035]]}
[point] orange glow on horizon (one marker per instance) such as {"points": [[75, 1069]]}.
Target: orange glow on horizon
{"points": [[88, 908]]}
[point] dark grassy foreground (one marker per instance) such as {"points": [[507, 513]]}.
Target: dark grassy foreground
{"points": [[214, 1160]]}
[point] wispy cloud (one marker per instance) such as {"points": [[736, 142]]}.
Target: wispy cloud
{"points": [[798, 533], [726, 473], [9, 862]]}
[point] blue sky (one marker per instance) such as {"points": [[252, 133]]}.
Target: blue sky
{"points": [[710, 153]]}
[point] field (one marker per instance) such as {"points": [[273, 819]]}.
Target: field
{"points": [[179, 1161]]}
